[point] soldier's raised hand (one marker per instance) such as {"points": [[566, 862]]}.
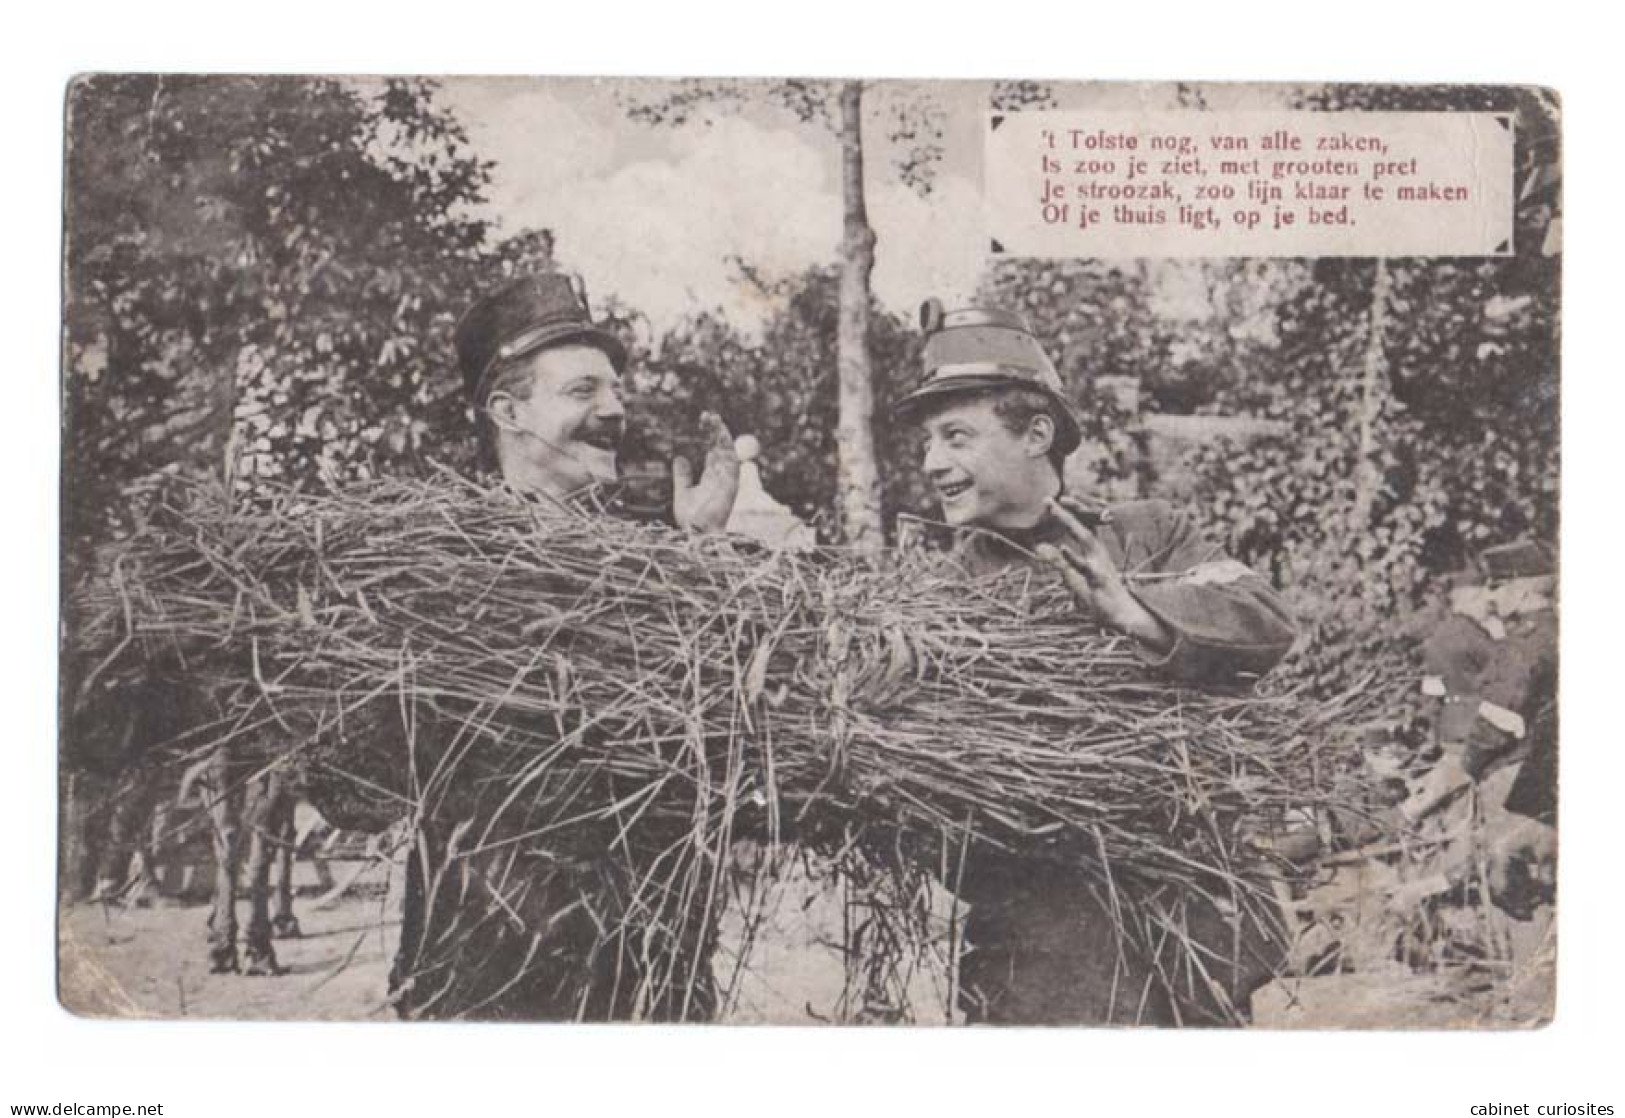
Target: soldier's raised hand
{"points": [[1090, 573], [704, 504]]}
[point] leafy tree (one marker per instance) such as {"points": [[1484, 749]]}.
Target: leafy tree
{"points": [[261, 278], [1419, 403]]}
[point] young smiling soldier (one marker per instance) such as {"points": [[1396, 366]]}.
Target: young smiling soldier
{"points": [[998, 428]]}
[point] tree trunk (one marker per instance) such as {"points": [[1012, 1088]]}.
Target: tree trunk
{"points": [[224, 451], [1373, 388], [858, 482]]}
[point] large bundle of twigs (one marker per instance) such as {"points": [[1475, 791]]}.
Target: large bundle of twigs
{"points": [[590, 713]]}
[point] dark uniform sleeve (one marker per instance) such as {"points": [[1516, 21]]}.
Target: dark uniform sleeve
{"points": [[1229, 624]]}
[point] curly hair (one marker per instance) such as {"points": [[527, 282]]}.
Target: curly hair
{"points": [[1017, 406]]}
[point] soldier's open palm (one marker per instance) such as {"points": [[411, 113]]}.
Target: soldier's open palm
{"points": [[705, 504]]}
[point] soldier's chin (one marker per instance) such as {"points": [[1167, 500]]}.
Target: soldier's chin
{"points": [[603, 465], [959, 512]]}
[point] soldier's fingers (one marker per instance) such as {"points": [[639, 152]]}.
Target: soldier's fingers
{"points": [[1080, 531], [1089, 566], [722, 454], [682, 473], [1089, 516], [1063, 559], [721, 463], [1074, 579]]}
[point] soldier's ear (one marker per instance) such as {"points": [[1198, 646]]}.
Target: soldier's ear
{"points": [[503, 410], [1040, 435]]}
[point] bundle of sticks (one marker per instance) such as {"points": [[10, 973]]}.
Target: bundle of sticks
{"points": [[567, 689]]}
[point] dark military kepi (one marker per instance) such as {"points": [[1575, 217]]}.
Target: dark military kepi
{"points": [[527, 315]]}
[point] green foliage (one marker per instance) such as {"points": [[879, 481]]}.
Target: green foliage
{"points": [[1460, 452], [1448, 420], [262, 274]]}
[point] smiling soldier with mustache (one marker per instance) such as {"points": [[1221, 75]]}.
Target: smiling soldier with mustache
{"points": [[998, 428], [545, 384]]}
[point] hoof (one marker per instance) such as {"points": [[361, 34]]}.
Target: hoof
{"points": [[263, 963], [285, 927], [163, 901], [110, 892], [223, 960], [143, 895]]}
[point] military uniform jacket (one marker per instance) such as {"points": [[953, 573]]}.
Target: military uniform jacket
{"points": [[1041, 948], [1229, 624]]}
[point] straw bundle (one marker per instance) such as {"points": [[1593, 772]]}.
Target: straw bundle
{"points": [[602, 708]]}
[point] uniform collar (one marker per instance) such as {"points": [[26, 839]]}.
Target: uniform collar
{"points": [[1005, 545], [1000, 546], [1049, 528]]}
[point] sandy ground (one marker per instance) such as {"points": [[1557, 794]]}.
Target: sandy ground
{"points": [[152, 962], [118, 961]]}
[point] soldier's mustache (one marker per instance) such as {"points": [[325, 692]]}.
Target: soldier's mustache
{"points": [[607, 433]]}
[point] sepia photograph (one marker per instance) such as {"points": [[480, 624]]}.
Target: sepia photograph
{"points": [[809, 551]]}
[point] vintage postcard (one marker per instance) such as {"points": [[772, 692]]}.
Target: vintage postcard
{"points": [[790, 551]]}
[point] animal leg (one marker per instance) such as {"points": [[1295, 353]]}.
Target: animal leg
{"points": [[262, 818], [284, 924], [225, 813]]}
